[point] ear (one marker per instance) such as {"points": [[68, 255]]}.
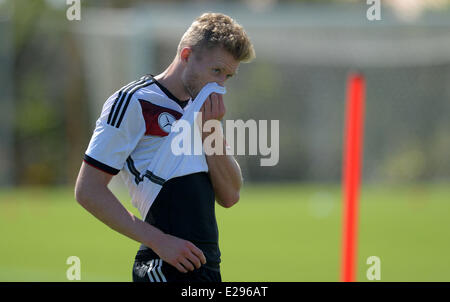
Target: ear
{"points": [[185, 54]]}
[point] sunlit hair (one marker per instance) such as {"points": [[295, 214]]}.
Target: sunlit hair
{"points": [[211, 30]]}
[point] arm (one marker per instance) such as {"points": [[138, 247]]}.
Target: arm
{"points": [[224, 171], [92, 193], [226, 177]]}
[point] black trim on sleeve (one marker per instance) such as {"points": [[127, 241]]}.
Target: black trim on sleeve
{"points": [[99, 165]]}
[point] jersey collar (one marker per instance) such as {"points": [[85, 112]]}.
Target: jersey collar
{"points": [[166, 91]]}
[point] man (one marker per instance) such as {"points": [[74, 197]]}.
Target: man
{"points": [[179, 235]]}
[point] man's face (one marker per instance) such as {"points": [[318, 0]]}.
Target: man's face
{"points": [[208, 65]]}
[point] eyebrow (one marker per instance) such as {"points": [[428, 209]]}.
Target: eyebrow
{"points": [[221, 67]]}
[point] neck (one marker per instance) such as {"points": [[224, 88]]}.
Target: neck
{"points": [[171, 79]]}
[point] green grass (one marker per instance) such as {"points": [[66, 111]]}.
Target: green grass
{"points": [[277, 232]]}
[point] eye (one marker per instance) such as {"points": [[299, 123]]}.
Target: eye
{"points": [[216, 70]]}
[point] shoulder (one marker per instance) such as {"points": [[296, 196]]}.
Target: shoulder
{"points": [[125, 100]]}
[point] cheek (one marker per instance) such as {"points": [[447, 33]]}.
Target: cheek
{"points": [[191, 82], [192, 79], [196, 77], [201, 74]]}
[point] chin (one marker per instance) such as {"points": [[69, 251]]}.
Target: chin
{"points": [[190, 91], [193, 93]]}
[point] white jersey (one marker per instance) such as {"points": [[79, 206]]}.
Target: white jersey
{"points": [[134, 122]]}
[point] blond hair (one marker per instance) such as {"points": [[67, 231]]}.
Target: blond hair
{"points": [[211, 30]]}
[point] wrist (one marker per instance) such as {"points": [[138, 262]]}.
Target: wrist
{"points": [[154, 237], [215, 128]]}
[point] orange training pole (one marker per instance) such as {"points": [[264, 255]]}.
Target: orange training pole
{"points": [[352, 157]]}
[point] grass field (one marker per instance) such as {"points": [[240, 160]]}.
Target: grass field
{"points": [[286, 232]]}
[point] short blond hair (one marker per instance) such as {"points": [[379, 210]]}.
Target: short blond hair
{"points": [[211, 30]]}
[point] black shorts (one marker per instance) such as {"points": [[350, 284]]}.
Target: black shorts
{"points": [[157, 270]]}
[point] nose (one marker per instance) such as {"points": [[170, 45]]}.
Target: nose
{"points": [[221, 81]]}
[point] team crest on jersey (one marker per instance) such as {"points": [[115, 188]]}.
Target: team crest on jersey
{"points": [[166, 121]]}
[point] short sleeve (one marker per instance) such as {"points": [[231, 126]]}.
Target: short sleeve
{"points": [[117, 132]]}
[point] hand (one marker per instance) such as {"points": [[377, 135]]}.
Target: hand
{"points": [[213, 108], [181, 254]]}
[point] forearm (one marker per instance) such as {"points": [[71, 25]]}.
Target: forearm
{"points": [[225, 175], [224, 171], [101, 203], [91, 191]]}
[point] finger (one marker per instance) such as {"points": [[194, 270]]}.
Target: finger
{"points": [[208, 105], [202, 113], [197, 252], [214, 104], [194, 260], [221, 106], [180, 268], [187, 264], [202, 109], [207, 113]]}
